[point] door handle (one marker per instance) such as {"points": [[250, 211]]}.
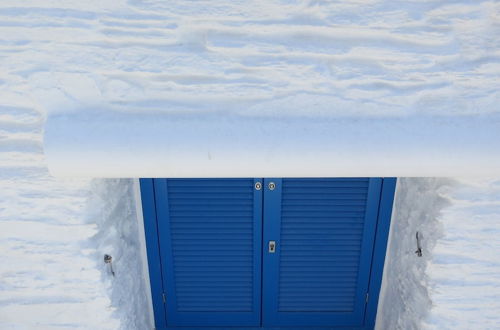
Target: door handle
{"points": [[272, 246]]}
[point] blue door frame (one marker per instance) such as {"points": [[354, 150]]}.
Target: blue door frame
{"points": [[159, 280]]}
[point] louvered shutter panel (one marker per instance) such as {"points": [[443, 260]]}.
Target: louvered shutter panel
{"points": [[210, 244], [324, 229]]}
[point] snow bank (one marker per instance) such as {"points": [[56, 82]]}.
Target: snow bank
{"points": [[279, 58], [284, 61], [49, 277], [154, 145], [456, 283], [281, 61], [405, 299], [112, 206], [464, 272]]}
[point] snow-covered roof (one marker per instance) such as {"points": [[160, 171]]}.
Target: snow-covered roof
{"points": [[297, 61], [149, 145]]}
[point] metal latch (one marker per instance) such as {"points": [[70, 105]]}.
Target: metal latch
{"points": [[272, 246], [419, 247], [108, 260]]}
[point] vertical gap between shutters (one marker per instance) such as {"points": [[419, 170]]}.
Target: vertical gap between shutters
{"points": [[262, 250]]}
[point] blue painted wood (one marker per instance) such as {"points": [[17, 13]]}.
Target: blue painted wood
{"points": [[210, 246], [327, 210], [379, 253], [153, 251], [324, 229], [270, 275], [268, 328]]}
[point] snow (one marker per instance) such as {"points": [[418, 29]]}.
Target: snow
{"points": [[156, 145], [404, 298], [455, 284], [306, 63], [53, 236], [465, 269], [416, 83], [112, 205], [48, 276], [280, 58]]}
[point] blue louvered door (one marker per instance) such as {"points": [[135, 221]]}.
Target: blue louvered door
{"points": [[210, 245], [214, 237], [323, 231]]}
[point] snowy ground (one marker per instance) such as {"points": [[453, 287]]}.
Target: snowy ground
{"points": [[456, 283], [405, 300], [270, 59], [464, 274], [303, 58], [53, 235], [49, 277]]}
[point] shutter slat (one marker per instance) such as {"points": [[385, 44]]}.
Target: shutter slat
{"points": [[322, 226], [208, 196], [175, 202], [300, 190], [211, 225]]}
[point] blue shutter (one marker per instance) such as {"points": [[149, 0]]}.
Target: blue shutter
{"points": [[324, 230], [210, 233]]}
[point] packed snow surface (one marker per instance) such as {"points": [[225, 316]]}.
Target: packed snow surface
{"points": [[265, 60], [292, 77], [49, 277], [456, 282], [405, 301], [53, 236], [146, 145], [464, 275], [270, 58]]}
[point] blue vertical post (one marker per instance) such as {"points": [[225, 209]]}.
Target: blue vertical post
{"points": [[380, 248], [271, 227], [153, 251]]}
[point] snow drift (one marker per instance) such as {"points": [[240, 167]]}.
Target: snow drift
{"points": [[115, 144], [274, 59], [405, 299], [314, 88], [112, 205]]}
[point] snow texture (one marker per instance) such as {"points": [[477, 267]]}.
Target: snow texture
{"points": [[270, 58], [154, 145], [53, 236], [404, 299], [422, 74], [112, 206], [49, 277], [464, 273], [455, 284], [280, 60]]}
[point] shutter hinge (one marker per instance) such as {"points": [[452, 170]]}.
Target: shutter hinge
{"points": [[164, 297], [366, 298]]}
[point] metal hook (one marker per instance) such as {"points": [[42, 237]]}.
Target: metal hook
{"points": [[419, 247], [108, 260]]}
